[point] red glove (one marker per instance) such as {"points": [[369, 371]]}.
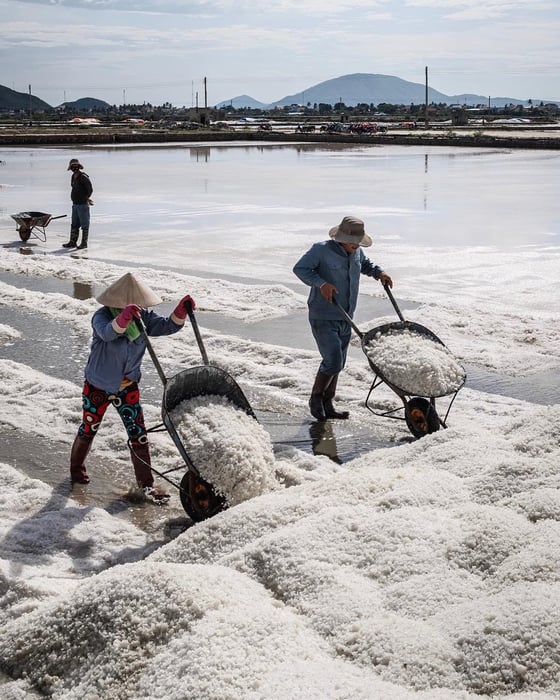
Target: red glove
{"points": [[129, 313], [183, 307]]}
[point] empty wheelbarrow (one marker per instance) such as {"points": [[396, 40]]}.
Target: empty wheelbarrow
{"points": [[405, 356], [33, 223]]}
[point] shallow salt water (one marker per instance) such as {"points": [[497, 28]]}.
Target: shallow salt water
{"points": [[245, 213], [250, 210]]}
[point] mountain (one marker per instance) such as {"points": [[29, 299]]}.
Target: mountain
{"points": [[372, 88], [12, 101], [240, 102], [85, 104]]}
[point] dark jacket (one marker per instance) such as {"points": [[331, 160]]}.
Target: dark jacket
{"points": [[329, 262], [81, 188]]}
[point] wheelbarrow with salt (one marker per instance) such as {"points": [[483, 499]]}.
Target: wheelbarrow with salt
{"points": [[198, 497], [412, 361]]}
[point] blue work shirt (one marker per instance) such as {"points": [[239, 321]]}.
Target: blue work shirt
{"points": [[327, 261], [113, 356]]}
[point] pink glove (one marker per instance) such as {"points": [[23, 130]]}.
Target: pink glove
{"points": [[183, 307], [128, 314]]}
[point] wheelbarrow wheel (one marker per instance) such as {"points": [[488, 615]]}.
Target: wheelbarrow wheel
{"points": [[24, 233], [198, 498], [421, 417]]}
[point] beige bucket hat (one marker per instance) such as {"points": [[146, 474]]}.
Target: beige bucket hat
{"points": [[351, 230], [128, 289]]}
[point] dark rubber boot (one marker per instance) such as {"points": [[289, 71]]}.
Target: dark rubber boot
{"points": [[140, 456], [80, 450], [330, 410], [316, 406], [83, 244], [73, 242]]}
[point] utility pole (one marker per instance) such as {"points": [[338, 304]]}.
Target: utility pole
{"points": [[426, 98], [205, 95], [30, 108]]}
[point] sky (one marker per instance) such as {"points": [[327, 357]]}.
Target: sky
{"points": [[413, 570], [157, 51]]}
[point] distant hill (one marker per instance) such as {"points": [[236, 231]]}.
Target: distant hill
{"points": [[242, 101], [12, 101], [85, 104], [372, 88]]}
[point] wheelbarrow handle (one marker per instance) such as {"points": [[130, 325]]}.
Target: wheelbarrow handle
{"points": [[142, 328], [392, 298], [62, 216], [196, 331], [348, 318]]}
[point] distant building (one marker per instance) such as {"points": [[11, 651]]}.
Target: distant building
{"points": [[459, 116]]}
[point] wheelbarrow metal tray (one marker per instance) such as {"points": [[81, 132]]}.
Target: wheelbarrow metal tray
{"points": [[205, 380], [401, 327], [28, 219]]}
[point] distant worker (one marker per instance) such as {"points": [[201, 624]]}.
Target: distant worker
{"points": [[81, 190], [332, 269]]}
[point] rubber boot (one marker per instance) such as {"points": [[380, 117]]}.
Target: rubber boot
{"points": [[73, 242], [78, 454], [330, 410], [83, 244], [140, 456], [316, 406]]}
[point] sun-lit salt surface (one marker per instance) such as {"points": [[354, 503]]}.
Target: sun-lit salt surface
{"points": [[415, 363], [424, 570], [231, 449]]}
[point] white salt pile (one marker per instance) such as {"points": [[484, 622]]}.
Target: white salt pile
{"points": [[231, 449], [415, 363]]}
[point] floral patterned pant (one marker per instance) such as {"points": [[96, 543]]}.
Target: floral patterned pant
{"points": [[127, 402]]}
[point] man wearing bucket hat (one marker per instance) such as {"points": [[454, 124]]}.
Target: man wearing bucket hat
{"points": [[112, 373], [332, 269], [81, 190]]}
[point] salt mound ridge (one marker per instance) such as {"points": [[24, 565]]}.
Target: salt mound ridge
{"points": [[415, 363], [231, 449]]}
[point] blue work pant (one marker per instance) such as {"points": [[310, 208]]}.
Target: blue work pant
{"points": [[332, 338], [80, 217]]}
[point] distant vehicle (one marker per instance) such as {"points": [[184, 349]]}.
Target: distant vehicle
{"points": [[305, 128], [408, 125], [367, 128], [132, 120], [82, 120]]}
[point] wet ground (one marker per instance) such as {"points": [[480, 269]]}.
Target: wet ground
{"points": [[44, 342]]}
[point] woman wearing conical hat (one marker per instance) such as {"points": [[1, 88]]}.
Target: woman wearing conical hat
{"points": [[113, 371]]}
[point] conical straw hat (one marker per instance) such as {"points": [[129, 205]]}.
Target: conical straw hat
{"points": [[128, 289]]}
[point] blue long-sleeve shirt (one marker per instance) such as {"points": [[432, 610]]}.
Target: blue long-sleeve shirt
{"points": [[327, 261], [113, 356]]}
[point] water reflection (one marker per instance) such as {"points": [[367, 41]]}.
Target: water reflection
{"points": [[200, 154], [82, 290], [323, 441]]}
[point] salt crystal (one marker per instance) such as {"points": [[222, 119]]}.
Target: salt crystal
{"points": [[230, 449], [415, 363]]}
